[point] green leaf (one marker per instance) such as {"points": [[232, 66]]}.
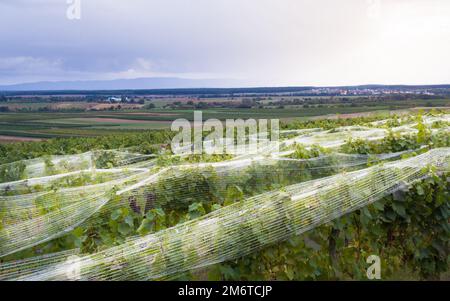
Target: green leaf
{"points": [[228, 272], [150, 216], [129, 220], [420, 190], [366, 212], [215, 207], [78, 232], [379, 206], [145, 227], [214, 274], [289, 271], [390, 215], [399, 209], [116, 214], [160, 212], [196, 210], [124, 228]]}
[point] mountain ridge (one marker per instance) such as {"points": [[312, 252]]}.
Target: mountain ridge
{"points": [[122, 84]]}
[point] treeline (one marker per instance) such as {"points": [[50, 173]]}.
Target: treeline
{"points": [[399, 101], [215, 92]]}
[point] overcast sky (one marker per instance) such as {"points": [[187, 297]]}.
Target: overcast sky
{"points": [[261, 42]]}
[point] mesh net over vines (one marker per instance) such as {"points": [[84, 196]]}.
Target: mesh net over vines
{"points": [[46, 198]]}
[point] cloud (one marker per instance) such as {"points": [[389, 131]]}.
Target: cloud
{"points": [[272, 42], [27, 64], [25, 68]]}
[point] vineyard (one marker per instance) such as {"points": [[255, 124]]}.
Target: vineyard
{"points": [[331, 194]]}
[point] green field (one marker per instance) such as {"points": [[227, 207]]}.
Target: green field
{"points": [[50, 125], [45, 125]]}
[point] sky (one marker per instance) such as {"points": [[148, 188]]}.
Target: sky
{"points": [[258, 42]]}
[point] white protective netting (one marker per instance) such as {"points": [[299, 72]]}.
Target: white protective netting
{"points": [[45, 198], [238, 229], [32, 218]]}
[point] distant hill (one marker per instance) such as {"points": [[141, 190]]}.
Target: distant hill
{"points": [[182, 86], [124, 84]]}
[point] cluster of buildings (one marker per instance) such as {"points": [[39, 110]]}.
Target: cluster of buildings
{"points": [[369, 91]]}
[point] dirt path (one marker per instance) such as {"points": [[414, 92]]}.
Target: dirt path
{"points": [[6, 139], [118, 120]]}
